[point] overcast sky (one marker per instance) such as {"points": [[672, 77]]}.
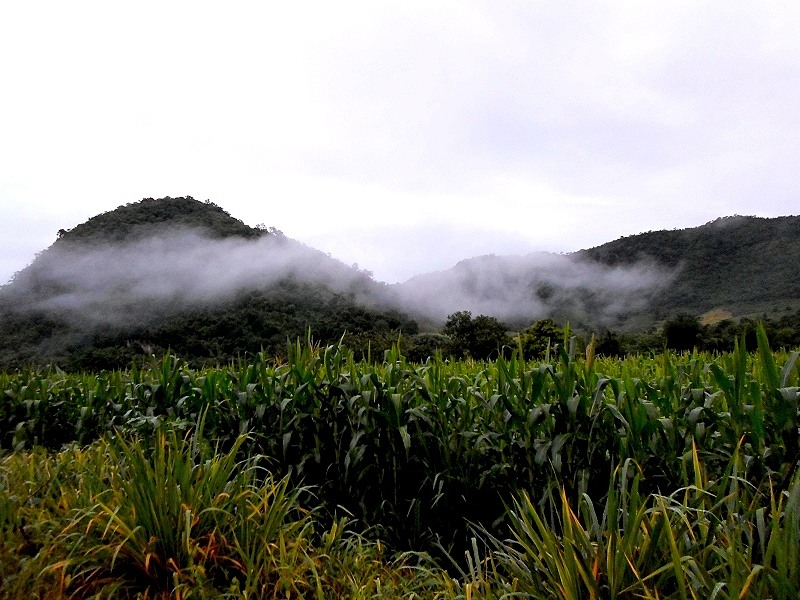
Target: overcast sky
{"points": [[404, 136]]}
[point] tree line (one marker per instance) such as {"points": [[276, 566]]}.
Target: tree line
{"points": [[485, 337]]}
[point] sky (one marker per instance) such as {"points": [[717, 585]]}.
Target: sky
{"points": [[401, 136]]}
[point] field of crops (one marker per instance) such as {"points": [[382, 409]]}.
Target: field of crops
{"points": [[668, 476]]}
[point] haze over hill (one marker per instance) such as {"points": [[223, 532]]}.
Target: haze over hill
{"points": [[181, 274], [521, 289], [740, 265], [177, 271], [174, 269]]}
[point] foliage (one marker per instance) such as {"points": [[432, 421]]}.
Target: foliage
{"points": [[735, 262], [703, 260], [217, 334], [541, 337], [176, 518], [424, 346], [682, 332], [417, 451], [685, 332], [609, 344], [702, 451], [480, 338], [712, 538], [259, 317], [143, 217]]}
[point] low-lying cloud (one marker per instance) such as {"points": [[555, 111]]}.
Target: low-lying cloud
{"points": [[521, 289], [136, 282], [117, 283]]}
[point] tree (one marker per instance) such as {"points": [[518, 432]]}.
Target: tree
{"points": [[538, 337], [489, 337], [423, 346], [480, 338], [682, 332], [720, 336], [609, 345]]}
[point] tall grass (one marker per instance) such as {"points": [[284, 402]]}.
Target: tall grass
{"points": [[175, 518], [421, 455], [710, 539]]}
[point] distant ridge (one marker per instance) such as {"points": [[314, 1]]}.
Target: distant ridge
{"points": [[741, 264]]}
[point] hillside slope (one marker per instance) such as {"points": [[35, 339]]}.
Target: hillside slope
{"points": [[739, 264], [521, 289], [180, 274], [736, 265], [184, 275]]}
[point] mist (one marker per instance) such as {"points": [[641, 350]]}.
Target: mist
{"points": [[522, 289], [167, 272]]}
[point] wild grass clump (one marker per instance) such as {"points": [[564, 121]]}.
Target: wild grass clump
{"points": [[711, 539], [175, 518]]}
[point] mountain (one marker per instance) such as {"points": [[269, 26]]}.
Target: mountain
{"points": [[148, 216], [734, 266], [180, 274]]}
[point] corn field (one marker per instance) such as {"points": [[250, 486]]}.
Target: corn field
{"points": [[666, 476]]}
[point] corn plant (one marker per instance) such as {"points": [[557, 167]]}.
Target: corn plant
{"points": [[414, 452]]}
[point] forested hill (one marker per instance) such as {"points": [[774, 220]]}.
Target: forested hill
{"points": [[182, 275], [142, 218], [743, 265]]}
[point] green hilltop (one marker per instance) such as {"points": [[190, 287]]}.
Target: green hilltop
{"points": [[36, 328], [138, 218]]}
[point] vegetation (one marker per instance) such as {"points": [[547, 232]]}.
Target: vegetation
{"points": [[538, 339], [669, 476], [381, 462], [260, 316], [137, 218], [706, 259], [482, 337], [686, 332], [252, 322], [350, 305]]}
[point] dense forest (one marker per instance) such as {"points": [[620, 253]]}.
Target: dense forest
{"points": [[138, 218], [733, 267], [114, 307]]}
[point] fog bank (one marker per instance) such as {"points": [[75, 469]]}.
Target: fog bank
{"points": [[521, 289], [166, 272], [114, 283]]}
